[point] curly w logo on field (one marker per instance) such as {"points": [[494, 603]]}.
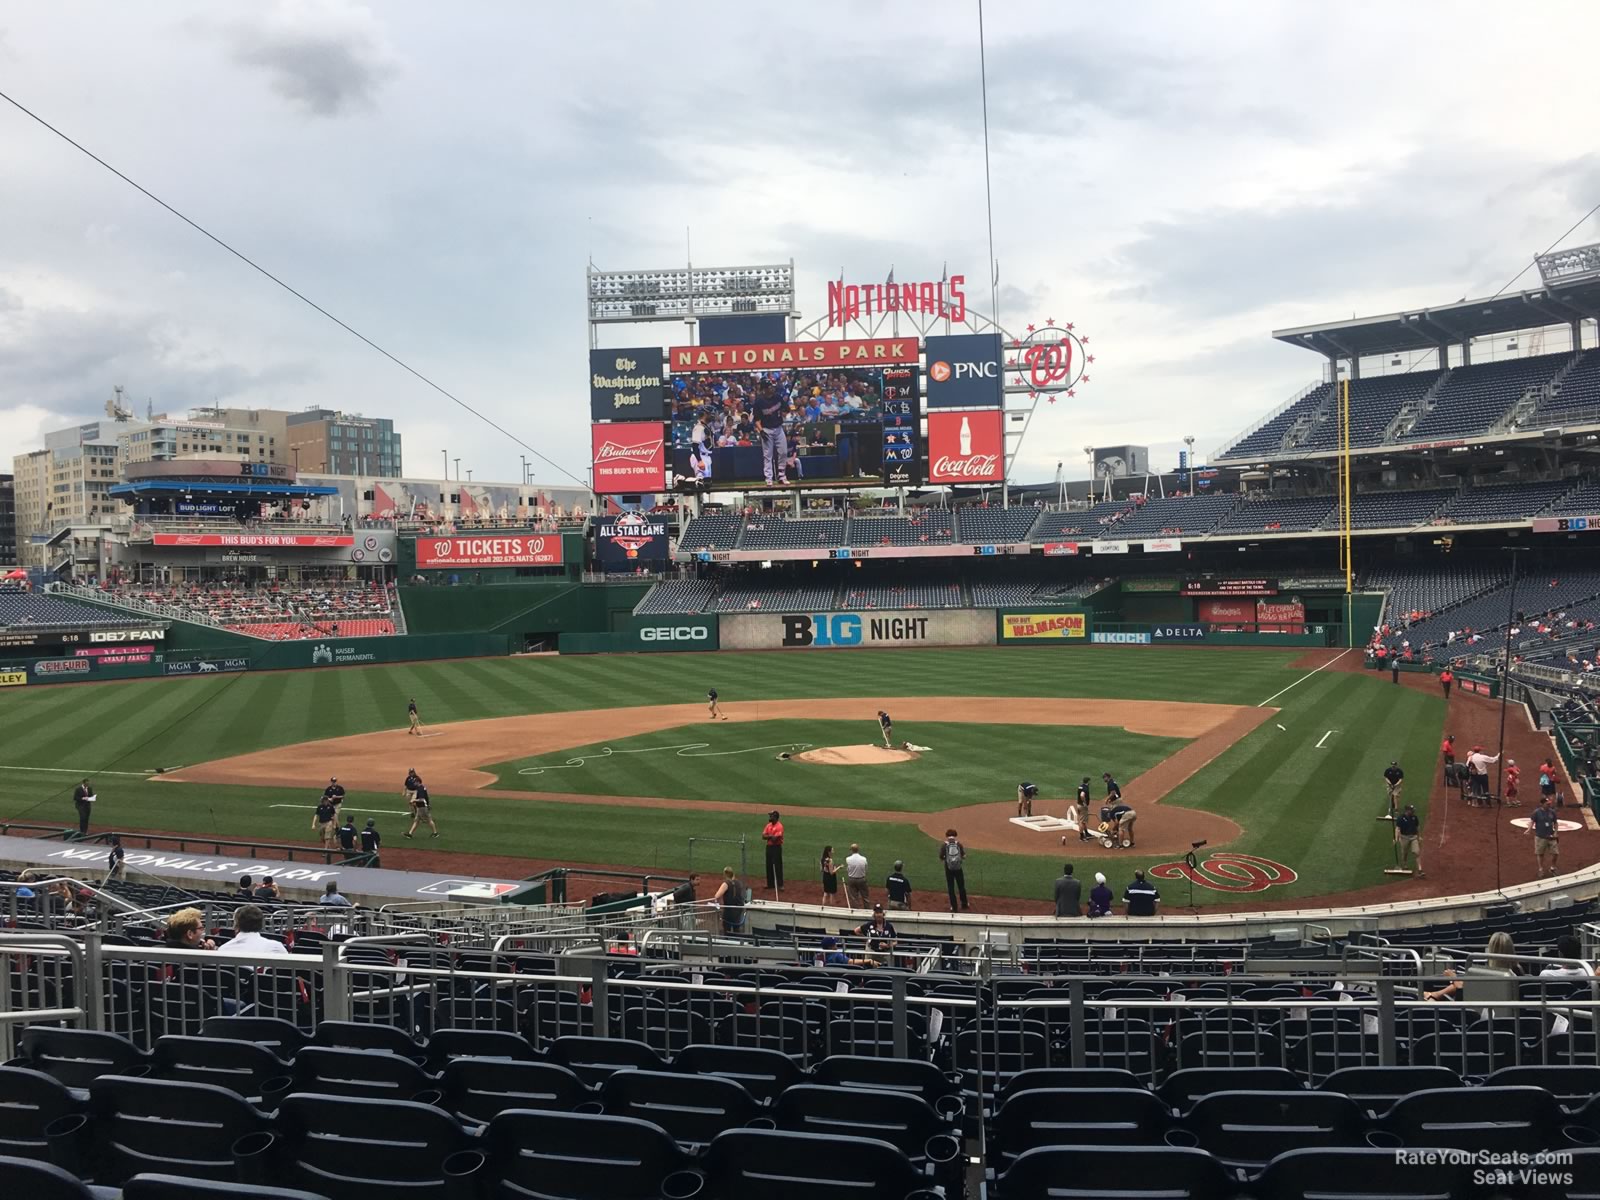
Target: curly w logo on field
{"points": [[1226, 872]]}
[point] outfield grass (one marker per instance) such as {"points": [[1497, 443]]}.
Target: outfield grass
{"points": [[965, 764], [1308, 806]]}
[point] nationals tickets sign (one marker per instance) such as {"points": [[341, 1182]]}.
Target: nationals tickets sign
{"points": [[859, 352], [519, 550], [629, 457], [304, 540], [966, 447]]}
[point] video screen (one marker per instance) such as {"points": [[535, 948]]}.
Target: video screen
{"points": [[797, 427]]}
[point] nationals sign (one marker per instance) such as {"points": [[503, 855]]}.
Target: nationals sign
{"points": [[305, 540], [629, 457], [859, 352], [966, 447], [519, 550]]}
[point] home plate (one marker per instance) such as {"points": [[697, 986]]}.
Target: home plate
{"points": [[1561, 826], [1043, 824]]}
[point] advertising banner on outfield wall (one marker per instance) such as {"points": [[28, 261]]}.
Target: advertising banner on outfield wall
{"points": [[305, 541], [13, 678], [1120, 637], [1178, 633], [518, 550], [654, 634], [1016, 627], [1280, 616], [207, 666], [844, 630], [1228, 615]]}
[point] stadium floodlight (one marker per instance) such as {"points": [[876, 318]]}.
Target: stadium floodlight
{"points": [[1564, 268], [686, 293]]}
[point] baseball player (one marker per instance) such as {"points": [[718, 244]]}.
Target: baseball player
{"points": [[1025, 794], [716, 713], [774, 441], [887, 726], [416, 721], [1395, 778], [421, 810]]}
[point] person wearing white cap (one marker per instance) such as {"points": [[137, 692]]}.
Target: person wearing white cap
{"points": [[1099, 897]]}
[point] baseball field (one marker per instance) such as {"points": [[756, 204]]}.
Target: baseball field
{"points": [[611, 760]]}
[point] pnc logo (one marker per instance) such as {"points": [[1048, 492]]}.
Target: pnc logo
{"points": [[674, 633], [939, 372]]}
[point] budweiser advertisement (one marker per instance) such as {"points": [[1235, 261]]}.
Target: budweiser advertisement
{"points": [[857, 352], [966, 447], [629, 457], [302, 540], [518, 550]]}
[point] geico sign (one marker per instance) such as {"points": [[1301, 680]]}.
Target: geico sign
{"points": [[674, 633], [127, 635], [943, 372]]}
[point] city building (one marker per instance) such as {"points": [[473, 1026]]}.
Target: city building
{"points": [[8, 521], [337, 443], [66, 483], [253, 434]]}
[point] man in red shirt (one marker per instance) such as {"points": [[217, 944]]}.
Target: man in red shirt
{"points": [[772, 834], [1445, 680], [1447, 751]]}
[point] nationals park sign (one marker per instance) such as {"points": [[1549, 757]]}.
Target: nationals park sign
{"points": [[518, 550]]}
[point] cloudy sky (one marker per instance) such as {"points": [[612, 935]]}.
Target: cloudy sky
{"points": [[1176, 179]]}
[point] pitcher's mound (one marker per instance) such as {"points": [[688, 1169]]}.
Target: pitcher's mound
{"points": [[854, 756]]}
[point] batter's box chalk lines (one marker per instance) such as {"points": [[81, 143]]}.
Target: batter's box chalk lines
{"points": [[383, 812], [687, 750]]}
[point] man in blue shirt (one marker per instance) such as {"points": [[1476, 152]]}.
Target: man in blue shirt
{"points": [[832, 956], [1408, 838], [1140, 897]]}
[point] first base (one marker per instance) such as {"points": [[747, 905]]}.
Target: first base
{"points": [[1044, 824]]}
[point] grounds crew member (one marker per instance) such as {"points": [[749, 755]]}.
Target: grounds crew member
{"points": [[347, 835], [1408, 838], [1025, 795], [335, 792], [411, 715], [1395, 778], [421, 810], [370, 841], [772, 834], [322, 820], [898, 886]]}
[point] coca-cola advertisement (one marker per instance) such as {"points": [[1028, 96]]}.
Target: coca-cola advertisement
{"points": [[966, 447], [629, 456]]}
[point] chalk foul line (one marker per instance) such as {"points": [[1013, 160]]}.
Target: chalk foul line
{"points": [[1303, 678], [686, 750], [387, 812]]}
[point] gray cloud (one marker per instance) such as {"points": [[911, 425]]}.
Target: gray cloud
{"points": [[327, 64]]}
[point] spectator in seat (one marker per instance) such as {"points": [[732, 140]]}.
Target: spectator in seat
{"points": [[248, 921], [1100, 897], [186, 931], [1069, 892], [267, 889], [330, 895], [1568, 946], [246, 889]]}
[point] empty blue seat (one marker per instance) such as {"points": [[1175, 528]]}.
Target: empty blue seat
{"points": [[349, 1149], [1246, 1129], [477, 1090], [1523, 1119], [778, 1165], [1377, 1088], [762, 1073], [1182, 1088], [1059, 1117], [173, 1187], [692, 1109], [1354, 1173], [241, 1067], [918, 1077], [595, 1059], [30, 1179], [184, 1129], [357, 1035], [1074, 1078], [368, 1074], [77, 1057], [29, 1101], [281, 1037], [1573, 1086], [447, 1045], [665, 1028], [575, 1156], [1088, 1172]]}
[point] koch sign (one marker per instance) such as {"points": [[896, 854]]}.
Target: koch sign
{"points": [[963, 371], [519, 550], [626, 385]]}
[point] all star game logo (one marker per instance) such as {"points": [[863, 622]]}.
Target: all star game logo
{"points": [[1049, 360], [633, 533]]}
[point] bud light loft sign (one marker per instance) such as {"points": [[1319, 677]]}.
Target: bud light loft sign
{"points": [[963, 370]]}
